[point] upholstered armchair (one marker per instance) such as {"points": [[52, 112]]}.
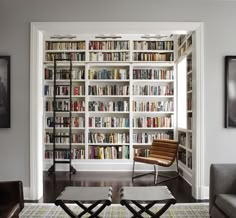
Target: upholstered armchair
{"points": [[222, 202], [11, 199], [163, 153]]}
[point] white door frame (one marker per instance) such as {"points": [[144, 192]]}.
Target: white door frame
{"points": [[38, 29]]}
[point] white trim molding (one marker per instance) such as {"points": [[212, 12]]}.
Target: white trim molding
{"points": [[198, 149], [40, 29], [26, 191], [36, 110]]}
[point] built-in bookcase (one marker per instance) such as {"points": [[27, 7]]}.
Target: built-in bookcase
{"points": [[123, 96], [185, 136]]}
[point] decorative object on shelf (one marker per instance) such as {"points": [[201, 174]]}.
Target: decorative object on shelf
{"points": [[5, 111], [230, 91]]}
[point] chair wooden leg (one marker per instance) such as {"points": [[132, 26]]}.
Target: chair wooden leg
{"points": [[133, 169], [155, 174]]}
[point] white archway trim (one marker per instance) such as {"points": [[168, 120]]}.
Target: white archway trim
{"points": [[36, 101]]}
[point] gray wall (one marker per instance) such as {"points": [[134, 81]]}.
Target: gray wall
{"points": [[220, 39]]}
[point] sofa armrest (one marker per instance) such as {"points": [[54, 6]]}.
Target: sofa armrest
{"points": [[11, 192], [222, 181]]}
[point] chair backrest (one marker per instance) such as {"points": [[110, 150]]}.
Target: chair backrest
{"points": [[164, 149]]}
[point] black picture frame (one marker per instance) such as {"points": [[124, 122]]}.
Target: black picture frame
{"points": [[5, 95], [230, 91]]}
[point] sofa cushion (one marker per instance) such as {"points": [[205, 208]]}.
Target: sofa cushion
{"points": [[9, 210], [226, 203]]}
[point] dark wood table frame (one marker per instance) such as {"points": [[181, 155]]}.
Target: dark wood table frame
{"points": [[133, 195], [80, 195]]}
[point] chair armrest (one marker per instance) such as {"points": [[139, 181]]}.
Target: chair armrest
{"points": [[222, 181], [12, 192]]}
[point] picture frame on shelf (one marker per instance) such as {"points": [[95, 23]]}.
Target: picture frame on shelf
{"points": [[5, 112], [230, 91]]}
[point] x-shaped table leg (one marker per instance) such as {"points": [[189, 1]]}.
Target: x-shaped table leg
{"points": [[85, 209], [147, 207]]}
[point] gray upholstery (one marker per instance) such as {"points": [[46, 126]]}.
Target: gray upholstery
{"points": [[222, 202]]}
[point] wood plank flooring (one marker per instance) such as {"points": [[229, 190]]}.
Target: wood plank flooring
{"points": [[55, 183]]}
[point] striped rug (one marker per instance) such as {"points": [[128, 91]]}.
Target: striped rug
{"points": [[41, 210]]}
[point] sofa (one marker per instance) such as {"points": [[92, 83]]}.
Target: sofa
{"points": [[11, 199], [222, 196]]}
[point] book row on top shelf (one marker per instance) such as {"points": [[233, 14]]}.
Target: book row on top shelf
{"points": [[110, 50], [109, 45]]}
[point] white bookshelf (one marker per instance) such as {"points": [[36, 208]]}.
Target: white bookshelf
{"points": [[115, 104], [185, 136]]}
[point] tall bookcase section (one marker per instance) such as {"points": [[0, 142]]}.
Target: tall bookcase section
{"points": [[67, 104], [186, 136], [109, 99], [153, 93]]}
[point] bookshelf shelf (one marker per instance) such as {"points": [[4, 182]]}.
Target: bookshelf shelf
{"points": [[110, 94]]}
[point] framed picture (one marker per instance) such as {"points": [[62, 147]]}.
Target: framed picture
{"points": [[230, 91], [5, 110]]}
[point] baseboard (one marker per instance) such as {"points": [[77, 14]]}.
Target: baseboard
{"points": [[201, 193], [118, 166], [26, 191]]}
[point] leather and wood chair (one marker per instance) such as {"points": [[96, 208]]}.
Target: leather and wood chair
{"points": [[162, 153]]}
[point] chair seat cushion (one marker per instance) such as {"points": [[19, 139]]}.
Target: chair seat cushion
{"points": [[226, 203], [152, 160]]}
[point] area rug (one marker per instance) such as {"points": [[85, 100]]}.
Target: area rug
{"points": [[40, 210]]}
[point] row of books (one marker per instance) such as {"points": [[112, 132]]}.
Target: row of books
{"points": [[109, 122], [108, 90], [153, 74], [65, 154], [64, 105], [109, 152], [189, 102], [74, 56], [190, 163], [141, 152], [62, 74], [63, 137], [114, 73], [147, 137], [189, 63], [153, 45], [64, 90], [149, 122], [182, 155], [109, 106], [108, 45], [182, 138], [189, 122], [114, 137], [73, 45], [143, 106], [109, 56], [65, 121], [146, 56], [153, 90], [189, 83]]}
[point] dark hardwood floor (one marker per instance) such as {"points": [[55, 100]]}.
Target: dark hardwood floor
{"points": [[55, 183]]}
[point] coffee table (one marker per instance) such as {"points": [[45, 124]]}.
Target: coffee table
{"points": [[148, 194], [81, 195]]}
